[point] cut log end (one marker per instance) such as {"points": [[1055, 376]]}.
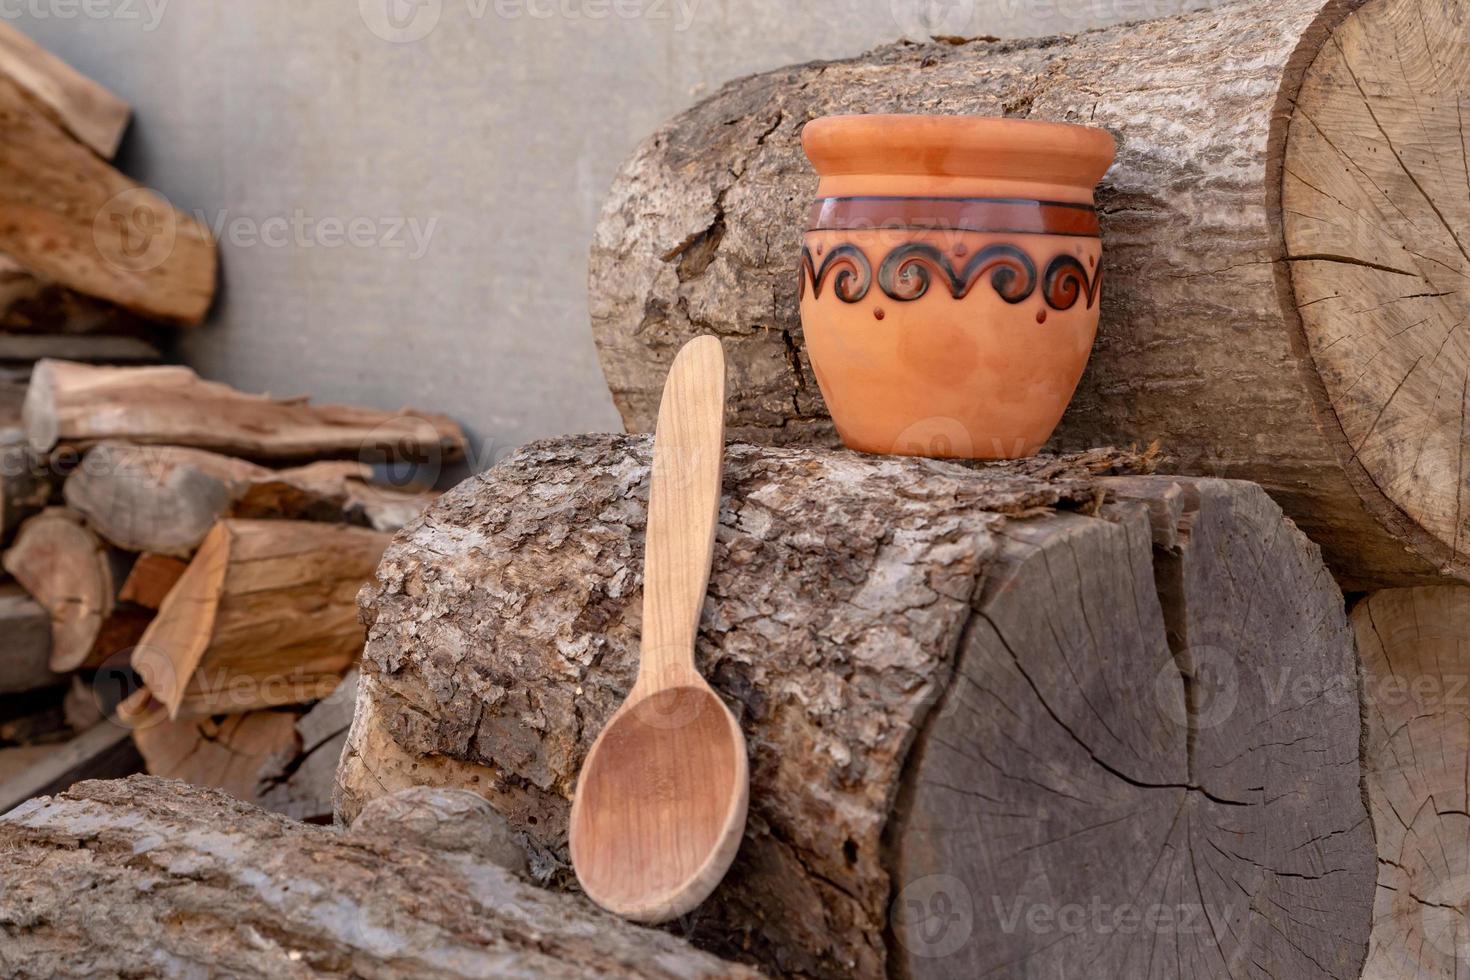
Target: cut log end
{"points": [[1376, 209]]}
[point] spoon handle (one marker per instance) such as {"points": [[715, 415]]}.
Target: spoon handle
{"points": [[683, 508]]}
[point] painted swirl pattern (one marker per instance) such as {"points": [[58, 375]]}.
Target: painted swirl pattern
{"points": [[909, 270]]}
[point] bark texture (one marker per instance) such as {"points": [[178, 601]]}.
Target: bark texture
{"points": [[951, 679], [182, 881], [1240, 194]]}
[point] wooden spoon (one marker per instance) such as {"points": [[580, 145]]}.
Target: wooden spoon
{"points": [[660, 804]]}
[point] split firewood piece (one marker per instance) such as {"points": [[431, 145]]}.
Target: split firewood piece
{"points": [[87, 110], [103, 751], [73, 219], [26, 482], [75, 578], [234, 753], [264, 615], [172, 406], [30, 304], [25, 643], [150, 580], [98, 348], [192, 876], [165, 499], [972, 699], [1415, 650], [1285, 251], [301, 786]]}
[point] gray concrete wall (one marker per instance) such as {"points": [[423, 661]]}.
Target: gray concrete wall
{"points": [[404, 204]]}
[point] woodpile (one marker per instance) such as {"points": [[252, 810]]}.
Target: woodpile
{"points": [[184, 557]]}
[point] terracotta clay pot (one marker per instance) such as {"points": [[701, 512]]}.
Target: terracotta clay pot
{"points": [[950, 279]]}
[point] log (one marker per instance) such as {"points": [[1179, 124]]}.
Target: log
{"points": [[87, 111], [26, 482], [301, 786], [75, 578], [25, 643], [172, 406], [264, 615], [232, 753], [165, 499], [71, 218], [1280, 235], [193, 877], [151, 579], [96, 348], [960, 688], [1413, 645], [31, 304]]}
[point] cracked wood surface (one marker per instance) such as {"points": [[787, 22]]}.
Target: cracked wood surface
{"points": [[1201, 345], [183, 881], [862, 613], [1416, 694]]}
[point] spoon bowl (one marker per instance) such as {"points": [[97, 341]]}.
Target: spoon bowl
{"points": [[661, 804]]}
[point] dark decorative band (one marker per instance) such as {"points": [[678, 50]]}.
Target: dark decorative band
{"points": [[995, 215], [908, 271]]}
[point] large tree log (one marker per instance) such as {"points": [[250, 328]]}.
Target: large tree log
{"points": [[180, 881], [1415, 648], [68, 216], [951, 695], [165, 499], [264, 615], [172, 406], [1285, 235]]}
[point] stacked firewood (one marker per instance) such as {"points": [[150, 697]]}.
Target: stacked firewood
{"points": [[181, 558]]}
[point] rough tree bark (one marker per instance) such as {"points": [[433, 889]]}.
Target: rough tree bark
{"points": [[182, 881], [1284, 234], [953, 696], [1416, 696]]}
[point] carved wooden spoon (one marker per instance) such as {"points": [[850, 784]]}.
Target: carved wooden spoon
{"points": [[660, 804]]}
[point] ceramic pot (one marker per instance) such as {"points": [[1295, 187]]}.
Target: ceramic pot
{"points": [[951, 274]]}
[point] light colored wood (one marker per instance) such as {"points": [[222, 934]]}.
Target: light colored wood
{"points": [[88, 111], [172, 406], [301, 786], [199, 883], [264, 615], [32, 304], [165, 499], [232, 753], [1376, 205], [25, 643], [151, 578], [873, 622], [72, 574], [661, 800], [1262, 302], [69, 217], [1415, 650]]}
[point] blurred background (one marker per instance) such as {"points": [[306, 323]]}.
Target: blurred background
{"points": [[404, 190]]}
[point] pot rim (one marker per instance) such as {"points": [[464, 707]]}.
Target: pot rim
{"points": [[984, 147]]}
